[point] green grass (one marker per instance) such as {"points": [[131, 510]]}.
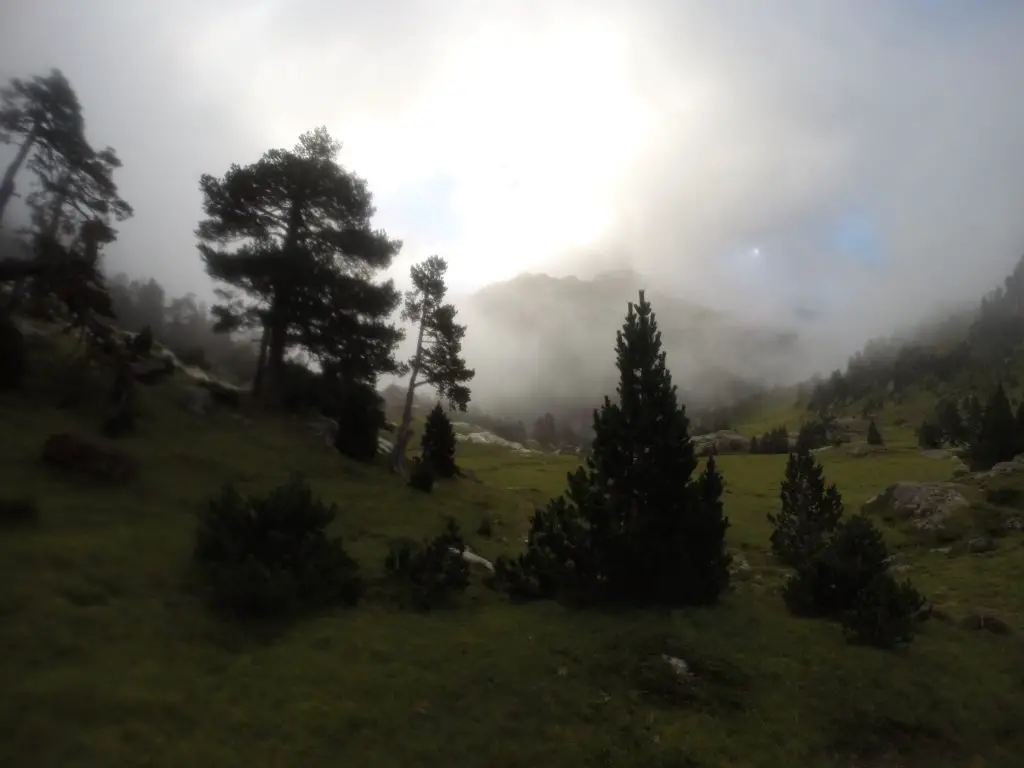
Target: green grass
{"points": [[108, 657]]}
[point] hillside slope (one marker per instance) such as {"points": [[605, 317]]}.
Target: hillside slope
{"points": [[550, 341], [109, 657]]}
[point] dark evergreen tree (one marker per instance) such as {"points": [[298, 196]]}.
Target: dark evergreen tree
{"points": [[874, 436], [973, 414], [929, 435], [291, 235], [567, 435], [437, 361], [634, 525], [40, 114], [438, 443], [545, 430], [359, 411], [1018, 422], [997, 439], [950, 423], [809, 510]]}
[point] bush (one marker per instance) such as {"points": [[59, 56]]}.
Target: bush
{"points": [[438, 443], [421, 478], [431, 572], [809, 511], [13, 354], [18, 511], [884, 614], [270, 556], [830, 582], [557, 557]]}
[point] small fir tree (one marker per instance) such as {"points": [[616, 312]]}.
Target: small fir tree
{"points": [[997, 436], [874, 436], [809, 510], [634, 525], [438, 443], [950, 423]]}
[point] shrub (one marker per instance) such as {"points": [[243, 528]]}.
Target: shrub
{"points": [[431, 572], [421, 477], [557, 561], [809, 510], [884, 613], [18, 511], [438, 443], [269, 556], [13, 354], [486, 528], [829, 583]]}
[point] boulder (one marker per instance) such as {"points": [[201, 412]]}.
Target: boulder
{"points": [[69, 453], [860, 450], [152, 370], [986, 623], [200, 401], [926, 506], [723, 441]]}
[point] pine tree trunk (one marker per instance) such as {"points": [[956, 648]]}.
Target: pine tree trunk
{"points": [[273, 366], [7, 185], [261, 362], [402, 439]]}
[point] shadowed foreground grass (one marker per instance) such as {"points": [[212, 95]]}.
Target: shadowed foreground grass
{"points": [[108, 657]]}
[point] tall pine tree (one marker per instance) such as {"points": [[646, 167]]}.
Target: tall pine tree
{"points": [[634, 525], [292, 236], [996, 439], [437, 361]]}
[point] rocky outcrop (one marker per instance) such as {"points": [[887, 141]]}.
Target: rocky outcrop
{"points": [[925, 506], [723, 441]]}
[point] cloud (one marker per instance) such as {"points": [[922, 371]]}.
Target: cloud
{"points": [[872, 153]]}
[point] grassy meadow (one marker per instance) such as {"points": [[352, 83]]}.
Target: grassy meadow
{"points": [[109, 657]]}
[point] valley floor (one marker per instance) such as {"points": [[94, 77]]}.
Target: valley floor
{"points": [[109, 658]]}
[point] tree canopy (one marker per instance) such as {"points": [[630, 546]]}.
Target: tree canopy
{"points": [[291, 236]]}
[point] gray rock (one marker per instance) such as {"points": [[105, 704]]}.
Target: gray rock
{"points": [[986, 623], [937, 453], [200, 401], [723, 441], [860, 450], [1014, 524], [926, 506], [981, 544]]}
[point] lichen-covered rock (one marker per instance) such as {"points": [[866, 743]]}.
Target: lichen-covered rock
{"points": [[926, 506], [723, 441]]}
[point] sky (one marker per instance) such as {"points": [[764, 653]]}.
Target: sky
{"points": [[856, 163]]}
